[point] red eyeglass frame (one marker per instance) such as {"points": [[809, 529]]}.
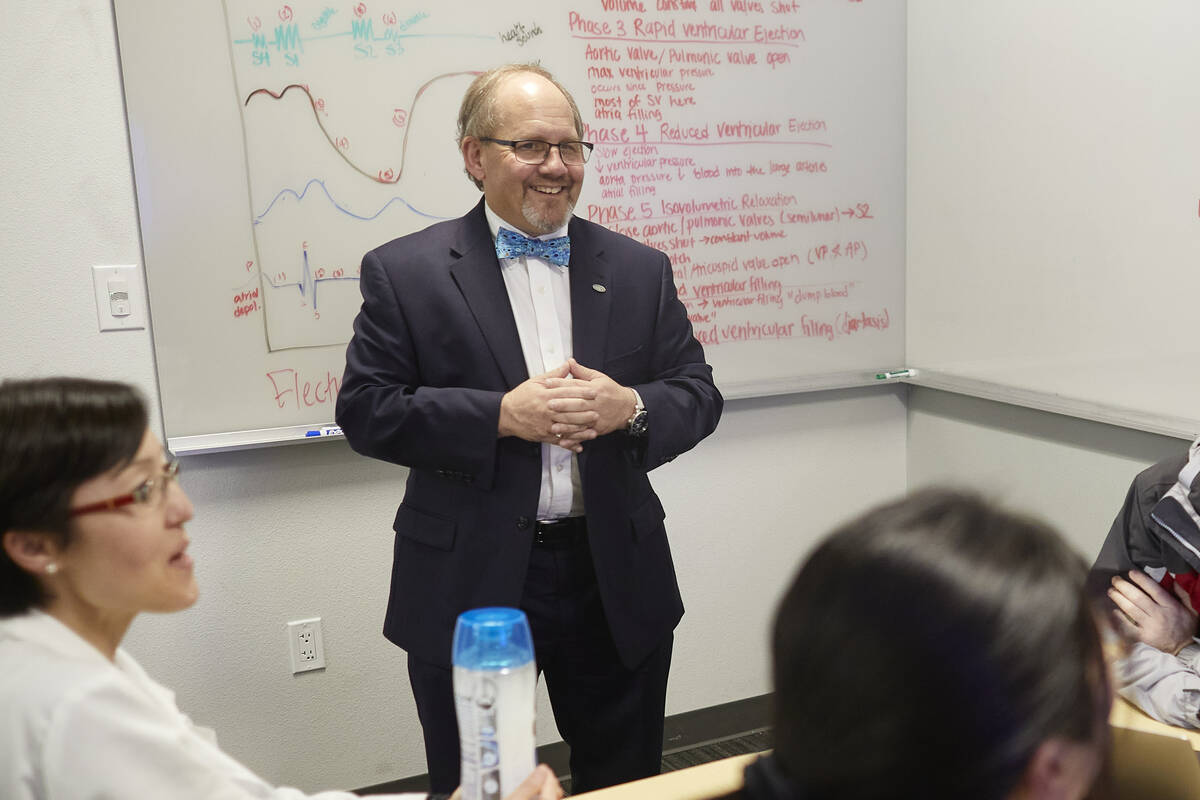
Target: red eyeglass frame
{"points": [[141, 494]]}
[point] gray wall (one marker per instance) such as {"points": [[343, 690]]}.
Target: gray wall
{"points": [[1072, 472], [289, 532]]}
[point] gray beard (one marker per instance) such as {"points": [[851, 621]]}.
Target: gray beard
{"points": [[544, 224]]}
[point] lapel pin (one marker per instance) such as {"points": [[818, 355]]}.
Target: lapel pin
{"points": [[599, 288]]}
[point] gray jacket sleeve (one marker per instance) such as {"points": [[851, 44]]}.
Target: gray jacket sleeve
{"points": [[1166, 687], [1133, 540]]}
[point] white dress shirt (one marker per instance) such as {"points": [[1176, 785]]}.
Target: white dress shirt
{"points": [[76, 726], [540, 295]]}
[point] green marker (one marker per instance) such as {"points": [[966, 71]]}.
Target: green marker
{"points": [[899, 373]]}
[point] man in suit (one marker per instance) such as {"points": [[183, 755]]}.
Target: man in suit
{"points": [[529, 385]]}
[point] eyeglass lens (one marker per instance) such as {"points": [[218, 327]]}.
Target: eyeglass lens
{"points": [[156, 488], [534, 152]]}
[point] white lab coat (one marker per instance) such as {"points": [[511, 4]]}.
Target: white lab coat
{"points": [[75, 726]]}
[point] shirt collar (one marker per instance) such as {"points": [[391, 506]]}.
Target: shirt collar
{"points": [[37, 627]]}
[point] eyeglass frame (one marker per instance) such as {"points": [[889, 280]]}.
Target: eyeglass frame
{"points": [[140, 495], [587, 148]]}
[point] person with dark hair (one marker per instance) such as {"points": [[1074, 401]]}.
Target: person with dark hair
{"points": [[91, 535], [530, 368], [1150, 565], [936, 647]]}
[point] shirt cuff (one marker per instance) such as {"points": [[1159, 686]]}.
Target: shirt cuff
{"points": [[1190, 655]]}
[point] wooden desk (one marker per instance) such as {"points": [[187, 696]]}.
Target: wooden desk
{"points": [[1151, 759], [694, 783], [1126, 715], [1144, 769]]}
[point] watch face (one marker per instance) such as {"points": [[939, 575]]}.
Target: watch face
{"points": [[637, 425]]}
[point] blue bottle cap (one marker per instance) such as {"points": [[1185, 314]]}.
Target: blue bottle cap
{"points": [[492, 638]]}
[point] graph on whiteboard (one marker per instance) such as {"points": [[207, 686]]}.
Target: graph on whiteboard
{"points": [[718, 140], [348, 120]]}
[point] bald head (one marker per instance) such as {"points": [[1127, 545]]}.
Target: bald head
{"points": [[478, 116]]}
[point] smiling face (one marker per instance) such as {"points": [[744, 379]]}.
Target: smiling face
{"points": [[129, 559], [534, 198]]}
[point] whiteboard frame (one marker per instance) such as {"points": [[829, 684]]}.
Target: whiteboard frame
{"points": [[298, 434], [1056, 403]]}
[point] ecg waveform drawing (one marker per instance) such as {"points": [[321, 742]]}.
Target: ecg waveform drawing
{"points": [[379, 162], [309, 279]]}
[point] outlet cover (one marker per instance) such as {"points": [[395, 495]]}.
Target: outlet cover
{"points": [[120, 297]]}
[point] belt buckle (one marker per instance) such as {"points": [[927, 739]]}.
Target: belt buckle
{"points": [[551, 531], [540, 530]]}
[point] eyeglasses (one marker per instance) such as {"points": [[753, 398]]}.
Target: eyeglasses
{"points": [[148, 493], [533, 151]]}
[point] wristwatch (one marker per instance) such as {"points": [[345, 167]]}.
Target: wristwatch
{"points": [[637, 424]]}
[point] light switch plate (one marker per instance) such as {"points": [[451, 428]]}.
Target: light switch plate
{"points": [[132, 281]]}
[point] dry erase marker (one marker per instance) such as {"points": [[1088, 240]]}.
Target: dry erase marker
{"points": [[328, 430], [899, 373]]}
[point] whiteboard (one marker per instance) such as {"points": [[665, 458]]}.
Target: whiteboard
{"points": [[1054, 205], [759, 143]]}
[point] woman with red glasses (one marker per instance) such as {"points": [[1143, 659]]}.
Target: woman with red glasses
{"points": [[92, 532]]}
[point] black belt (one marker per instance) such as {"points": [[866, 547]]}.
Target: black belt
{"points": [[565, 532]]}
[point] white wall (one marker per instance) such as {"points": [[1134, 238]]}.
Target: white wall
{"points": [[1072, 472], [289, 532], [744, 507], [68, 200]]}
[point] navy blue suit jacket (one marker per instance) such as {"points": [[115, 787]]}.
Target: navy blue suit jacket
{"points": [[435, 347]]}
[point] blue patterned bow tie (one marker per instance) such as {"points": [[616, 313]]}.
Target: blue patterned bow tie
{"points": [[510, 244]]}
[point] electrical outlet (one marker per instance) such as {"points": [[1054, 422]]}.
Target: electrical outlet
{"points": [[306, 645]]}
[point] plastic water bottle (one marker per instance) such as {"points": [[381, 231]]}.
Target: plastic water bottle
{"points": [[494, 680]]}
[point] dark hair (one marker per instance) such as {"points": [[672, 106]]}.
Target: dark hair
{"points": [[478, 115], [55, 434], [927, 649]]}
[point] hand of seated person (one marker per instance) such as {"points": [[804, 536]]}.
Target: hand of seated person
{"points": [[1149, 613]]}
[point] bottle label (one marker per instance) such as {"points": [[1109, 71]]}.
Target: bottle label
{"points": [[495, 724]]}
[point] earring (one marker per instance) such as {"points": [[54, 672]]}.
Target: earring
{"points": [[51, 568]]}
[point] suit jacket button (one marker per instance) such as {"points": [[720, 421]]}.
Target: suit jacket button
{"points": [[522, 522]]}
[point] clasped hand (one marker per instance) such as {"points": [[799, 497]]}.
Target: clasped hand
{"points": [[1149, 613], [567, 406]]}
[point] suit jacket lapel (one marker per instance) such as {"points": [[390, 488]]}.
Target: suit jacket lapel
{"points": [[477, 273], [590, 306]]}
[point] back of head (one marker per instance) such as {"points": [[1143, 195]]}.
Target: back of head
{"points": [[927, 649], [56, 433]]}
